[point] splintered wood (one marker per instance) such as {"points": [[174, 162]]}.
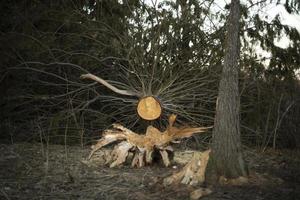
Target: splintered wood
{"points": [[193, 172], [143, 146]]}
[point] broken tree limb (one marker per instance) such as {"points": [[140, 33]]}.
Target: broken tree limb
{"points": [[143, 146], [108, 85], [148, 107]]}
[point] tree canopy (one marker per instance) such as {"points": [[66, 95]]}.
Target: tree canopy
{"points": [[171, 49]]}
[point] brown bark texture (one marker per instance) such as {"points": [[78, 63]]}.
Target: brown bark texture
{"points": [[226, 159]]}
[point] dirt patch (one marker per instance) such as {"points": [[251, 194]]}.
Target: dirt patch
{"points": [[33, 171]]}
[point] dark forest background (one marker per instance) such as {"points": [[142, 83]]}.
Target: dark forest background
{"points": [[169, 49]]}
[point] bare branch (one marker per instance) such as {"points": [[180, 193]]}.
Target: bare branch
{"points": [[109, 86]]}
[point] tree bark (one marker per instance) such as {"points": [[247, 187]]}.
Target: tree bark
{"points": [[226, 156]]}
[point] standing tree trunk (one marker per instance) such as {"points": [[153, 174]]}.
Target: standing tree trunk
{"points": [[226, 156]]}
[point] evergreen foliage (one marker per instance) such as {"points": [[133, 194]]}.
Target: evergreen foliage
{"points": [[172, 50]]}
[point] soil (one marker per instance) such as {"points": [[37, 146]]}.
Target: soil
{"points": [[35, 171]]}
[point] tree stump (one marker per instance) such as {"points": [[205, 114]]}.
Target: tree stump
{"points": [[143, 146], [193, 172]]}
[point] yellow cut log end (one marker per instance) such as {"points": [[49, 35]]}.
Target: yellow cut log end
{"points": [[149, 108]]}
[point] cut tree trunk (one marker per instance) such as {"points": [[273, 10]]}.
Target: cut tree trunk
{"points": [[149, 108], [143, 146]]}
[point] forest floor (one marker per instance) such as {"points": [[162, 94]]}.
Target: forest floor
{"points": [[33, 171]]}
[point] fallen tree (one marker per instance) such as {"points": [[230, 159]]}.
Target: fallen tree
{"points": [[143, 146]]}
